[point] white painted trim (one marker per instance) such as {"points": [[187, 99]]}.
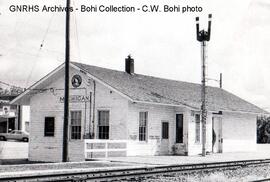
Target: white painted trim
{"points": [[100, 81], [37, 83]]}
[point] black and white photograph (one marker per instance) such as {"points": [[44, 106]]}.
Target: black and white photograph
{"points": [[145, 91]]}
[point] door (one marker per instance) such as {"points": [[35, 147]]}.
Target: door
{"points": [[11, 124], [179, 128], [164, 146], [217, 140]]}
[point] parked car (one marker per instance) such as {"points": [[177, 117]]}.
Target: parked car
{"points": [[15, 135]]}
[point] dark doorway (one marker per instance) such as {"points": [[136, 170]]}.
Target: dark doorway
{"points": [[3, 125], [11, 124], [179, 128]]}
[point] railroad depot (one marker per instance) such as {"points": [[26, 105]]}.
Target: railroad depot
{"points": [[121, 113]]}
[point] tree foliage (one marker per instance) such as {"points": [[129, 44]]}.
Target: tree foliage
{"points": [[11, 91], [263, 129]]}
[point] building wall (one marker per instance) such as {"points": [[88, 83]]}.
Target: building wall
{"points": [[107, 99], [194, 147], [239, 132], [25, 111], [48, 104], [154, 145]]}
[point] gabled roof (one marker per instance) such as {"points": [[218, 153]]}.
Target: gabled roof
{"points": [[148, 89], [153, 90]]}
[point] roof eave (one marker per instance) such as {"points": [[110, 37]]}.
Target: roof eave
{"points": [[16, 100]]}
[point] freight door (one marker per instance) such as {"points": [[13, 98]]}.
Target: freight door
{"points": [[217, 139], [164, 146]]}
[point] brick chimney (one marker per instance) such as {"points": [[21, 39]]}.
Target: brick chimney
{"points": [[129, 65]]}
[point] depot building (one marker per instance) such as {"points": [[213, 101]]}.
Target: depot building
{"points": [[121, 113]]}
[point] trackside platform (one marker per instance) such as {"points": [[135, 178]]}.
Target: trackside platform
{"points": [[170, 160]]}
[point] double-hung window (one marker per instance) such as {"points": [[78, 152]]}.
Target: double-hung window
{"points": [[143, 126], [75, 125], [103, 124]]}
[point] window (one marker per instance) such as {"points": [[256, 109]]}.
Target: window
{"points": [[49, 127], [165, 130], [142, 126], [75, 125], [197, 128], [103, 124], [179, 128]]}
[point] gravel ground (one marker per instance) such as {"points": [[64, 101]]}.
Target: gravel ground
{"points": [[236, 175]]}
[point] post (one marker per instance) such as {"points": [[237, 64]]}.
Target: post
{"points": [[220, 80], [203, 36], [19, 118], [203, 99], [66, 97]]}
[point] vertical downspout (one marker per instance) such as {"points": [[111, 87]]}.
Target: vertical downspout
{"points": [[94, 109], [85, 105], [90, 115]]}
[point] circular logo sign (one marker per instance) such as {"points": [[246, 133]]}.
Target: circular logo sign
{"points": [[76, 81]]}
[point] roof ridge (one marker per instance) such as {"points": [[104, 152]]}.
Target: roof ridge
{"points": [[109, 69]]}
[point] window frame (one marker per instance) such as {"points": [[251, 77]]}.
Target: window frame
{"points": [[105, 127], [143, 136], [78, 133], [46, 133]]}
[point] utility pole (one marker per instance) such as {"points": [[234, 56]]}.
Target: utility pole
{"points": [[203, 36], [66, 97], [220, 80]]}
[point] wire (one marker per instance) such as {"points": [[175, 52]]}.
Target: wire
{"points": [[76, 32], [47, 30], [38, 53], [7, 84]]}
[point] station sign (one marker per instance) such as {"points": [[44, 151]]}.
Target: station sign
{"points": [[76, 98], [76, 81]]}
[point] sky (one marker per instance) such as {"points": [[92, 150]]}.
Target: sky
{"points": [[162, 44]]}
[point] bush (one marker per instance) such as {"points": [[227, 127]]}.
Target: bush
{"points": [[263, 129]]}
